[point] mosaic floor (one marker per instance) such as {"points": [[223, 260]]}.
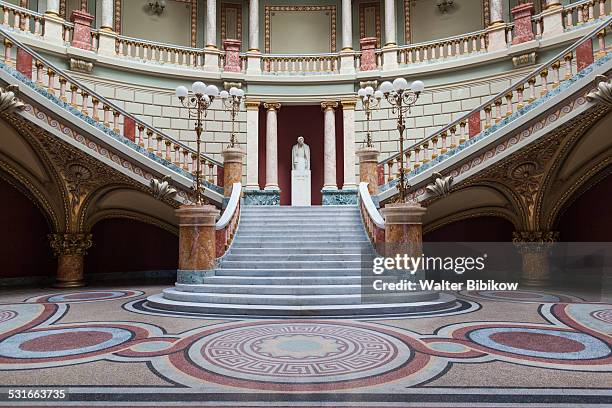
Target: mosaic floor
{"points": [[104, 347]]}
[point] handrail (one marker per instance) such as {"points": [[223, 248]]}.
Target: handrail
{"points": [[371, 209], [231, 208], [21, 9], [102, 99], [500, 96], [159, 44]]}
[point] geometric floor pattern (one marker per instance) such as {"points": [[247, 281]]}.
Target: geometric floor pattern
{"points": [[102, 347]]}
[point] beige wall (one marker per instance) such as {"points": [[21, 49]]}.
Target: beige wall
{"points": [[300, 32], [173, 26], [427, 23]]}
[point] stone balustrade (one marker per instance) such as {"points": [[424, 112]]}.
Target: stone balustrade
{"points": [[524, 92], [212, 60], [430, 51], [97, 110]]}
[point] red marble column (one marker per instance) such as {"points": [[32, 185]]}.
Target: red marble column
{"points": [[232, 56], [523, 29], [368, 162], [197, 248], [380, 171], [368, 54], [81, 38]]}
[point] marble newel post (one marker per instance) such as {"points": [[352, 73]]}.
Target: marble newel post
{"points": [[70, 250], [54, 24], [389, 54], [329, 146], [534, 247], [81, 36], [106, 43], [523, 29], [404, 225], [497, 29], [196, 242], [348, 124], [368, 172], [271, 146], [232, 168], [552, 18]]}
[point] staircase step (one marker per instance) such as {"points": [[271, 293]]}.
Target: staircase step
{"points": [[284, 280], [289, 264], [295, 257], [311, 236], [281, 243], [323, 249], [288, 300], [288, 272], [339, 289]]}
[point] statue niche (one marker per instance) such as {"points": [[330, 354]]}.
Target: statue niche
{"points": [[300, 173]]}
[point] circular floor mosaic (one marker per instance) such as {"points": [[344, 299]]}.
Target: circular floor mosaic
{"points": [[301, 352], [86, 296]]}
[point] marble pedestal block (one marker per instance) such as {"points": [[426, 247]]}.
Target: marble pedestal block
{"points": [[300, 187], [232, 168], [368, 162], [404, 225], [196, 239]]}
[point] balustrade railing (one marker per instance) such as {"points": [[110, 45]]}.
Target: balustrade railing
{"points": [[150, 51], [581, 12], [22, 19], [372, 219], [524, 92], [226, 227], [460, 45], [300, 64], [81, 99]]}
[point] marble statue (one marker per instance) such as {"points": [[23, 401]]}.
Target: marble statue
{"points": [[300, 173], [300, 155]]}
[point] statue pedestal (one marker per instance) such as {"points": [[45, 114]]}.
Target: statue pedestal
{"points": [[300, 187]]}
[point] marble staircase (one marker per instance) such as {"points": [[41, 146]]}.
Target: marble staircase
{"points": [[292, 261]]}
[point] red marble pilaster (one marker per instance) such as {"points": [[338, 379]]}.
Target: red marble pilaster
{"points": [[523, 29], [129, 129], [380, 171], [474, 124], [584, 55], [24, 63], [220, 176], [232, 56], [368, 54], [81, 37]]}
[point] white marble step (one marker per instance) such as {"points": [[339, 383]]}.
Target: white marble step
{"points": [[323, 249], [295, 244], [296, 257], [287, 272], [284, 280], [269, 289]]}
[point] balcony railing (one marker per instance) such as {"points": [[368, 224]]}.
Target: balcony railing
{"points": [[460, 45], [300, 64], [82, 101], [523, 93], [151, 51]]}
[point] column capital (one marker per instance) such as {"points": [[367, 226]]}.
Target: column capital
{"points": [[329, 105], [252, 105], [349, 103], [272, 106], [70, 244]]}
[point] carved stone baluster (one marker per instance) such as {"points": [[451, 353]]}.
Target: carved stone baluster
{"points": [[601, 41], [453, 138], [407, 160], [498, 112], [168, 157], [107, 115], [39, 73], [141, 136], [158, 147], [417, 157], [390, 170], [397, 166], [51, 81], [519, 94], [116, 122], [509, 103], [555, 69], [488, 118], [150, 141], [568, 65], [73, 95], [84, 106], [8, 45], [62, 82], [5, 15], [434, 147], [443, 148], [544, 77], [94, 110], [462, 137], [185, 160], [192, 164], [177, 156]]}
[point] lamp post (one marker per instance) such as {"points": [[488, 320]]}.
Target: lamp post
{"points": [[197, 102], [231, 101], [370, 100], [402, 98]]}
